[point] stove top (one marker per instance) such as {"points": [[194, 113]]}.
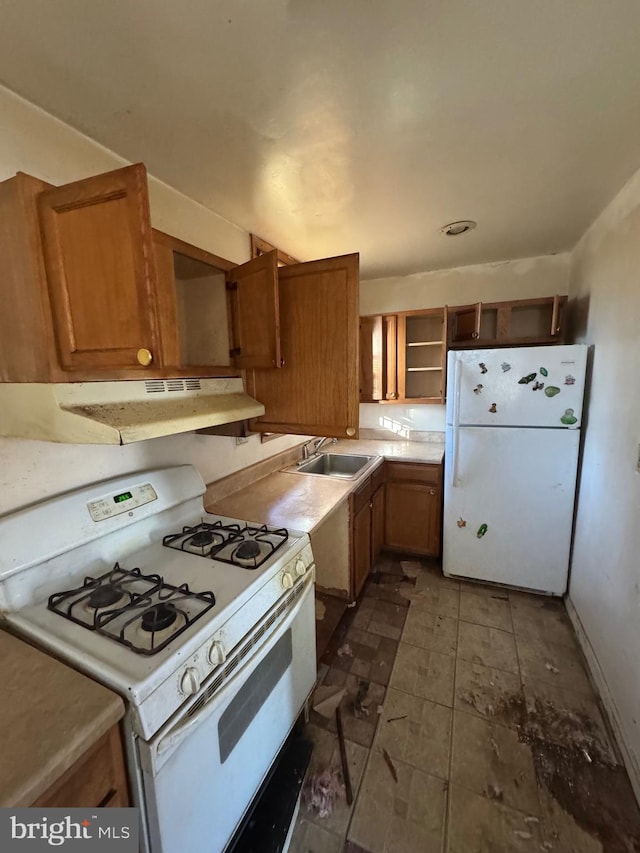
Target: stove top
{"points": [[98, 583], [140, 611], [239, 545]]}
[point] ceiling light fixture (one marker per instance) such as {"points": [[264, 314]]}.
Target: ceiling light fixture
{"points": [[454, 229]]}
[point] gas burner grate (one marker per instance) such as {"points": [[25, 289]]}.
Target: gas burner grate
{"points": [[147, 614], [247, 547]]}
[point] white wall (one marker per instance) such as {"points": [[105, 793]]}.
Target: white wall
{"points": [[32, 141], [605, 572], [526, 278]]}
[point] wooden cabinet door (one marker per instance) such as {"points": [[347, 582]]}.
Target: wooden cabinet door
{"points": [[390, 357], [361, 548], [378, 354], [255, 312], [316, 392], [371, 375], [377, 523], [464, 323], [412, 517], [98, 253]]}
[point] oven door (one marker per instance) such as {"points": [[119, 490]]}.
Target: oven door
{"points": [[202, 770]]}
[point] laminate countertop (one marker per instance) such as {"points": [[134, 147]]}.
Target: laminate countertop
{"points": [[50, 715], [303, 501]]}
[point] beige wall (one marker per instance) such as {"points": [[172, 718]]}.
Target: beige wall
{"points": [[34, 142], [605, 571], [530, 277]]}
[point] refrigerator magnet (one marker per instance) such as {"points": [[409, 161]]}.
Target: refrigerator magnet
{"points": [[537, 386], [461, 522], [478, 389], [493, 408], [551, 390], [527, 379], [569, 380], [482, 530], [569, 418], [505, 366], [483, 367], [544, 371]]}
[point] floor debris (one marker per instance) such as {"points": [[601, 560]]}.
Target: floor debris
{"points": [[321, 610], [551, 668], [321, 791], [343, 758], [393, 719], [520, 833], [326, 699], [345, 651], [573, 761], [390, 765], [362, 700], [494, 792]]}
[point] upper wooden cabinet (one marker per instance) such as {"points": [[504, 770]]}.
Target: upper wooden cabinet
{"points": [[422, 353], [523, 322], [96, 239], [316, 391], [96, 293], [403, 357], [215, 317], [378, 358]]}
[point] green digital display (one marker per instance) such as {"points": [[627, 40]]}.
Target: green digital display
{"points": [[125, 496]]}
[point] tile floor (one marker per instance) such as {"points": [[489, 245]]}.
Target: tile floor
{"points": [[470, 725]]}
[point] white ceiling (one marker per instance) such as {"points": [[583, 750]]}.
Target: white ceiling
{"points": [[331, 126]]}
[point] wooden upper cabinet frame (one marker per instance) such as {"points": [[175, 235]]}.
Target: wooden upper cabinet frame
{"points": [[97, 244], [261, 247], [255, 312]]}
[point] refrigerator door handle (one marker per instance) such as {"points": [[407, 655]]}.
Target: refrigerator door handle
{"points": [[457, 382], [454, 458]]}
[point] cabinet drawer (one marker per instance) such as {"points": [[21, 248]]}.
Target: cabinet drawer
{"points": [[377, 478], [414, 472], [361, 496]]}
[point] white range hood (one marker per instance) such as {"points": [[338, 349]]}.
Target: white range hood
{"points": [[121, 412]]}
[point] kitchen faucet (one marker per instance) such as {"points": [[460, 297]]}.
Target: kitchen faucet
{"points": [[316, 443]]}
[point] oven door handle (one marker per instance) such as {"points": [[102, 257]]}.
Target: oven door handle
{"points": [[168, 742]]}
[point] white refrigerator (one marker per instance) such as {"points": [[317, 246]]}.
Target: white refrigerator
{"points": [[511, 456]]}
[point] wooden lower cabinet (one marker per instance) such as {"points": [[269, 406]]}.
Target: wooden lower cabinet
{"points": [[361, 539], [367, 528], [377, 522], [413, 510], [96, 780]]}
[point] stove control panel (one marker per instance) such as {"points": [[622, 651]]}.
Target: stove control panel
{"points": [[120, 502]]}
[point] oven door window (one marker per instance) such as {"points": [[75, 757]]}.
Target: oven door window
{"points": [[244, 706]]}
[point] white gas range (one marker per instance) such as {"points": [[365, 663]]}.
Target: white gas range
{"points": [[205, 625]]}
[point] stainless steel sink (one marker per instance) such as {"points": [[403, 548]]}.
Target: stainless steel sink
{"points": [[342, 465]]}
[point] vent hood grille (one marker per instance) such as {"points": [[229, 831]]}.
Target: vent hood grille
{"points": [[121, 412], [154, 386]]}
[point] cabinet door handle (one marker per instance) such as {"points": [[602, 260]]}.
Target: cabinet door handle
{"points": [[144, 356]]}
